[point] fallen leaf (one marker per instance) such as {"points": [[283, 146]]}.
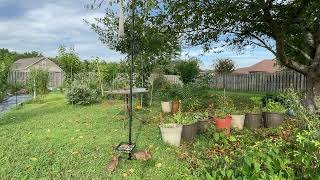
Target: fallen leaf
{"points": [[158, 165], [34, 159], [125, 175]]}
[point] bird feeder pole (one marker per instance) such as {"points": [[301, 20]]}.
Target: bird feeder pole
{"points": [[131, 74]]}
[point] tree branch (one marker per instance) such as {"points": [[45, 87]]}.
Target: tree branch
{"points": [[263, 44], [282, 57], [301, 51]]}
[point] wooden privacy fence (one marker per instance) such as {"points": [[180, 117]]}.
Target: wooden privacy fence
{"points": [[55, 78], [260, 81]]}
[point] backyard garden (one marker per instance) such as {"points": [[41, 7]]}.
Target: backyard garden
{"points": [[187, 131], [129, 120]]}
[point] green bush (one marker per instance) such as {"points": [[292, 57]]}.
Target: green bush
{"points": [[80, 93], [188, 70], [38, 81], [17, 87]]}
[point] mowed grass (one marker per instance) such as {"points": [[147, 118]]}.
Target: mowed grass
{"points": [[54, 140]]}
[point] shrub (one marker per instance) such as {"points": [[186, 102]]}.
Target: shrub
{"points": [[275, 97], [188, 70], [37, 82], [17, 87], [80, 93]]}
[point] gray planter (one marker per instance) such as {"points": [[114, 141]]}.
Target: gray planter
{"points": [[272, 119], [253, 121], [189, 131]]}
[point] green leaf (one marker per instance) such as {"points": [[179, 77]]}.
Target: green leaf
{"points": [[232, 138]]}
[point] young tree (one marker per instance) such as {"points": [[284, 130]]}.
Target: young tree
{"points": [[70, 62], [224, 66], [288, 29], [152, 46], [38, 81], [187, 69]]}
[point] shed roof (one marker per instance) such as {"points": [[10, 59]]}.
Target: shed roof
{"points": [[26, 62]]}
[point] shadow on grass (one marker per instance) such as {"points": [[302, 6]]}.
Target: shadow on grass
{"points": [[19, 114]]}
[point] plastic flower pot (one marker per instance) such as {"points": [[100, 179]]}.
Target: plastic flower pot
{"points": [[223, 123], [189, 131], [171, 133], [203, 125], [237, 121], [166, 106], [175, 106], [273, 120], [253, 121]]}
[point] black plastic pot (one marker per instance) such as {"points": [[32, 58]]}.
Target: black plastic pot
{"points": [[203, 125], [273, 120], [253, 121], [189, 131]]}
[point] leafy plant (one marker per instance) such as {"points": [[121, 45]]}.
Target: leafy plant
{"points": [[183, 118], [257, 104], [273, 106]]}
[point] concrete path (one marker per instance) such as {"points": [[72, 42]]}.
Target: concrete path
{"points": [[11, 102]]}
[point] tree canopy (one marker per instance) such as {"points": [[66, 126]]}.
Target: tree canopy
{"points": [[153, 47], [224, 66], [69, 62], [288, 29], [187, 69]]}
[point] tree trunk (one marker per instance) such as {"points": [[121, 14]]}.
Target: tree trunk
{"points": [[310, 95]]}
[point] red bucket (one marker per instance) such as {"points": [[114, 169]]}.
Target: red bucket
{"points": [[223, 123]]}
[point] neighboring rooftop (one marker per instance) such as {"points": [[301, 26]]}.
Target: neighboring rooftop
{"points": [[268, 65]]}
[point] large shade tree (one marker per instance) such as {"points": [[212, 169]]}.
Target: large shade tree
{"points": [[290, 29], [153, 46]]}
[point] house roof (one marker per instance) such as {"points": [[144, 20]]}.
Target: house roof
{"points": [[267, 65], [26, 62]]}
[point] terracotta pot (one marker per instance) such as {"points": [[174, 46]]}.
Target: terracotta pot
{"points": [[166, 106], [171, 134], [175, 106], [273, 120], [237, 121], [253, 121], [224, 123], [189, 131]]}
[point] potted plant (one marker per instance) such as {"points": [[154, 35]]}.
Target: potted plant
{"points": [[203, 121], [171, 132], [189, 128], [237, 119], [222, 120], [175, 99], [254, 119], [273, 114], [166, 103]]}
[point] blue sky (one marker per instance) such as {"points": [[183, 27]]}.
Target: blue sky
{"points": [[42, 25]]}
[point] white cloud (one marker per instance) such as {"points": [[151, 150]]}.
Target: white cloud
{"points": [[44, 28]]}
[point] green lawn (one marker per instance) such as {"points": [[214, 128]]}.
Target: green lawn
{"points": [[54, 140]]}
